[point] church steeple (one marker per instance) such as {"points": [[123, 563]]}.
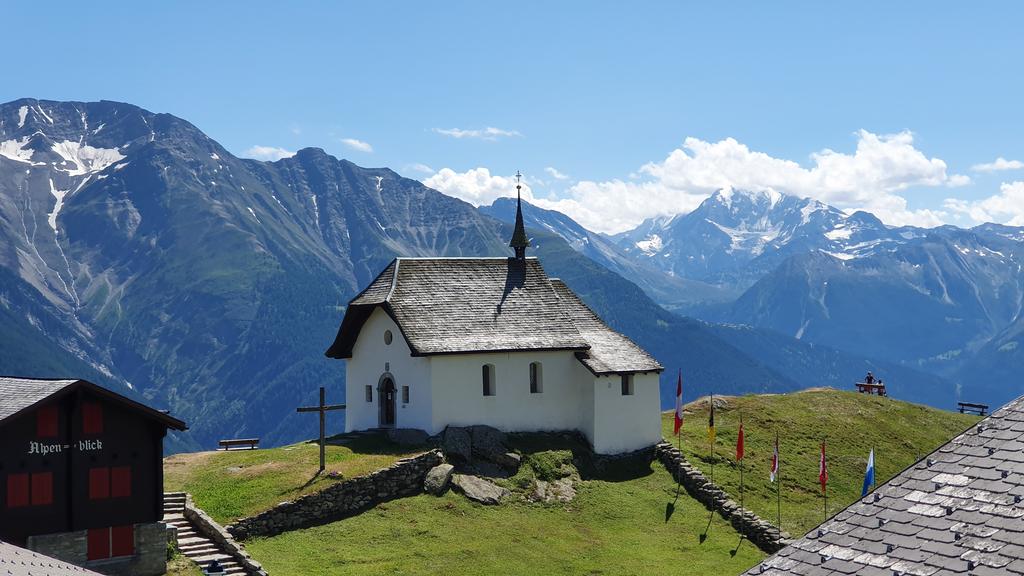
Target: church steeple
{"points": [[519, 240]]}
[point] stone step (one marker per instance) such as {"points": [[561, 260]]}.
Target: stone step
{"points": [[206, 558], [195, 544]]}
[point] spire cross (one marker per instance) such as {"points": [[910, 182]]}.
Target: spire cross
{"points": [[518, 185]]}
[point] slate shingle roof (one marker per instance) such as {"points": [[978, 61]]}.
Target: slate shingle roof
{"points": [[16, 394], [610, 352], [958, 511], [465, 305], [15, 561], [19, 394]]}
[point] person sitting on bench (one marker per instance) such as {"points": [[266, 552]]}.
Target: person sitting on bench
{"points": [[869, 379]]}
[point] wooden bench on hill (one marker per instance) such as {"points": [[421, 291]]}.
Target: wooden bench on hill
{"points": [[972, 408], [877, 387], [252, 443]]}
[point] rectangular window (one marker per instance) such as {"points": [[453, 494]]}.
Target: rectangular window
{"points": [[122, 541], [536, 387], [17, 490], [121, 482], [97, 543], [92, 418], [488, 379], [46, 422], [405, 394], [42, 488], [99, 483], [627, 384], [369, 393], [114, 542]]}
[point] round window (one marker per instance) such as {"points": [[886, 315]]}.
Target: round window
{"points": [[387, 337]]}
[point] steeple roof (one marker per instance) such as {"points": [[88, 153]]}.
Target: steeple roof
{"points": [[519, 240]]}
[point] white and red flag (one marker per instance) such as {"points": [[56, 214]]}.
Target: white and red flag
{"points": [[679, 403]]}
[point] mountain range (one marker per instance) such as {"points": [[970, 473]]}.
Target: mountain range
{"points": [[944, 300], [138, 252]]}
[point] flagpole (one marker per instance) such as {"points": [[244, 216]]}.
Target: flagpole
{"points": [[778, 484], [740, 463], [712, 437], [824, 487]]}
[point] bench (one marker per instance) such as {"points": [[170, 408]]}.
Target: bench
{"points": [[252, 443], [872, 388], [973, 408]]}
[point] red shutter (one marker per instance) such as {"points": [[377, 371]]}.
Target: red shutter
{"points": [[42, 488], [98, 546], [99, 483], [122, 541], [17, 490], [92, 418], [46, 422], [121, 482]]}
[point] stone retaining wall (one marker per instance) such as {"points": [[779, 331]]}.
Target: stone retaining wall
{"points": [[761, 532], [212, 530], [403, 478]]}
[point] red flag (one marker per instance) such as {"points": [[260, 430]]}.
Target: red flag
{"points": [[739, 442], [822, 469], [679, 403], [774, 471]]}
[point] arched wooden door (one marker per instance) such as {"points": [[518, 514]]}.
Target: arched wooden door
{"points": [[387, 402]]}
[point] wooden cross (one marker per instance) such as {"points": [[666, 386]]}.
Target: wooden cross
{"points": [[322, 409]]}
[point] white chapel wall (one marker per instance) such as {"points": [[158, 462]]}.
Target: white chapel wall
{"points": [[458, 391], [370, 356], [626, 423]]}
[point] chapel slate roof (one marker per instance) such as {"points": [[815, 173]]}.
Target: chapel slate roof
{"points": [[465, 305], [958, 511], [16, 561], [610, 352], [20, 394]]}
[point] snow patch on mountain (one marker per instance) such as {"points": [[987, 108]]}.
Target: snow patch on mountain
{"points": [[16, 150], [22, 112], [85, 159], [841, 232], [650, 246]]}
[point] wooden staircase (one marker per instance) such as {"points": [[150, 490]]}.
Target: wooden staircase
{"points": [[192, 544]]}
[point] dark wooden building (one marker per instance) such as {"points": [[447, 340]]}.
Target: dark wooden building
{"points": [[81, 474]]}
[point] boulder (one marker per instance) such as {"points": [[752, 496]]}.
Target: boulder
{"points": [[438, 478], [408, 436], [562, 490], [488, 442], [457, 444], [478, 489]]}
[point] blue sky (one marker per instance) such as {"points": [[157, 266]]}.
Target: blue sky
{"points": [[911, 96]]}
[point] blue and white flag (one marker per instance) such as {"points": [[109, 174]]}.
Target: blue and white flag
{"points": [[869, 474]]}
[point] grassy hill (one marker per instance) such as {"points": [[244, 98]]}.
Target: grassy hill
{"points": [[619, 523], [239, 483], [615, 525], [851, 424]]}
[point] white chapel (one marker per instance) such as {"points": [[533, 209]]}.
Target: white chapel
{"points": [[433, 342]]}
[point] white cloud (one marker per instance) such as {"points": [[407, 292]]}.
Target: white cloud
{"points": [[270, 153], [998, 164], [870, 178], [554, 173], [1007, 207], [421, 168], [476, 186], [357, 145], [488, 133]]}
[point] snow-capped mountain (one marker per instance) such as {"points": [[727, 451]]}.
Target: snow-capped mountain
{"points": [[734, 237]]}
